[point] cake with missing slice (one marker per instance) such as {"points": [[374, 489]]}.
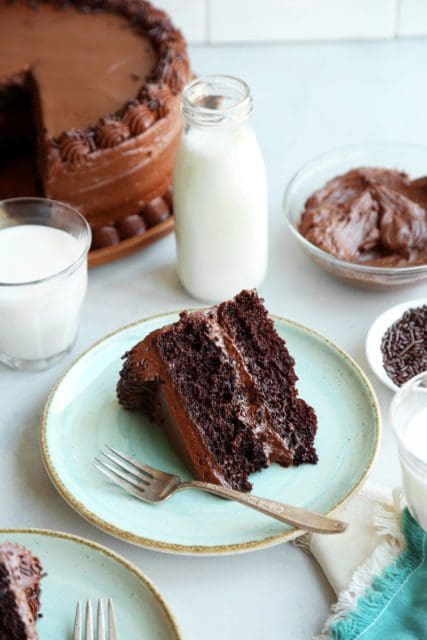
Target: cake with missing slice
{"points": [[20, 575], [222, 384], [90, 96]]}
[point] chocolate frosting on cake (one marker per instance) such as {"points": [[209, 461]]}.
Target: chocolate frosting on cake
{"points": [[105, 78], [20, 575], [370, 216], [169, 410], [222, 385]]}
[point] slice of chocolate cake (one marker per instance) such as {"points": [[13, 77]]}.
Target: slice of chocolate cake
{"points": [[221, 382], [20, 575]]}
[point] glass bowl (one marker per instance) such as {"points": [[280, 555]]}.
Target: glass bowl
{"points": [[410, 158]]}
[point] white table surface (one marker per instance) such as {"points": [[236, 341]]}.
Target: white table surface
{"points": [[308, 98]]}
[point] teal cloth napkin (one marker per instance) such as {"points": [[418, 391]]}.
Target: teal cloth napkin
{"points": [[394, 607]]}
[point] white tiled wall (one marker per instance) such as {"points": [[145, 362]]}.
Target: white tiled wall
{"points": [[245, 21], [191, 16], [219, 21], [412, 18]]}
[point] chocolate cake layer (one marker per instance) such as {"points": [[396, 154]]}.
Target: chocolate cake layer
{"points": [[20, 575], [221, 382], [105, 78], [272, 371], [370, 216]]}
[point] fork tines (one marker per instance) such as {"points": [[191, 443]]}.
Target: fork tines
{"points": [[137, 478], [100, 625], [124, 471]]}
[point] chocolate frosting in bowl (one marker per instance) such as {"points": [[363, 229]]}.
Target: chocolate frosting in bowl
{"points": [[370, 216]]}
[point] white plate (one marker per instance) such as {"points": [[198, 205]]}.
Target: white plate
{"points": [[375, 336]]}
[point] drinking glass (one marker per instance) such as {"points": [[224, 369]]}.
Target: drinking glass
{"points": [[409, 420], [39, 317]]}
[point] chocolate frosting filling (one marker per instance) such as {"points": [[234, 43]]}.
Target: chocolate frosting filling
{"points": [[370, 216], [215, 412]]}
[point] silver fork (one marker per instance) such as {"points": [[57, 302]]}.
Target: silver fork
{"points": [[100, 623], [152, 485]]}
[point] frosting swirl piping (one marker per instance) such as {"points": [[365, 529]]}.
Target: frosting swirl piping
{"points": [[139, 118], [160, 97], [112, 133], [174, 73], [74, 149]]}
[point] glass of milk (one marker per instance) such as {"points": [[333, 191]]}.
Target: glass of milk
{"points": [[409, 419], [219, 192], [43, 278]]}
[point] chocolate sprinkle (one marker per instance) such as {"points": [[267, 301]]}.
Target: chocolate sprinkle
{"points": [[404, 346]]}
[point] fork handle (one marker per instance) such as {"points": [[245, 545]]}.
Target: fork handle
{"points": [[295, 516]]}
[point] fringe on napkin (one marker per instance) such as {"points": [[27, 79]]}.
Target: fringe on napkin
{"points": [[382, 590], [387, 521]]}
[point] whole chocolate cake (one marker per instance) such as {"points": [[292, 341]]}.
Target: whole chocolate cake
{"points": [[20, 575], [89, 108], [222, 384]]}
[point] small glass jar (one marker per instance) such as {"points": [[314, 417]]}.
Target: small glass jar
{"points": [[220, 192], [409, 419], [43, 278]]}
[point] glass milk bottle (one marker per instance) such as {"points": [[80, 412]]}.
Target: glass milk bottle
{"points": [[220, 192]]}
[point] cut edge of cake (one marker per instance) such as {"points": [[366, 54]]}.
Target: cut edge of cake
{"points": [[20, 576], [222, 384]]}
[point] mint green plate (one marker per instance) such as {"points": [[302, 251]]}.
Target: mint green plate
{"points": [[82, 414], [78, 569]]}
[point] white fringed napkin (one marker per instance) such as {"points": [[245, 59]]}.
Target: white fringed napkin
{"points": [[372, 541]]}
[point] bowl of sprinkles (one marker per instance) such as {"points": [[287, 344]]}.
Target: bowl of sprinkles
{"points": [[396, 344]]}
